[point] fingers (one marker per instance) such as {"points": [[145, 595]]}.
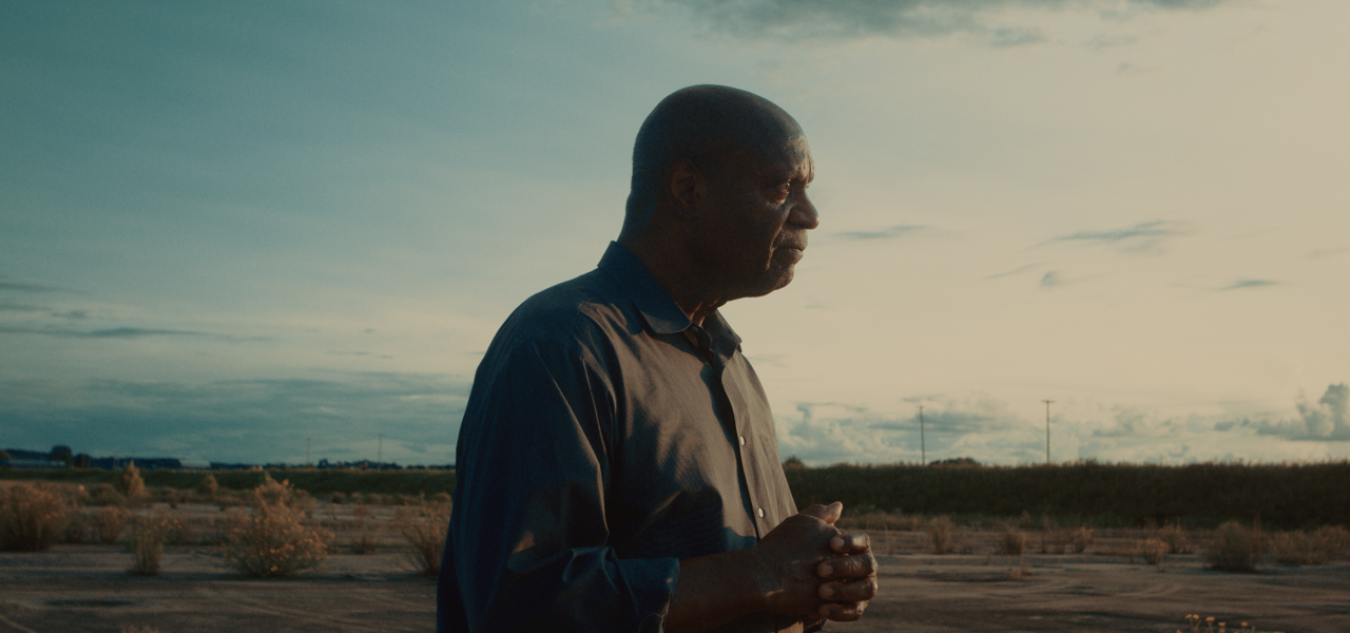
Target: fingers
{"points": [[860, 590], [843, 612], [851, 544], [860, 566], [828, 514]]}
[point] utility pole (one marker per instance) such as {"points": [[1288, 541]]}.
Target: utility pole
{"points": [[307, 442], [1047, 431], [379, 455], [923, 450]]}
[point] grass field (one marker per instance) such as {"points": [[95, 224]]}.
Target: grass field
{"points": [[1283, 496]]}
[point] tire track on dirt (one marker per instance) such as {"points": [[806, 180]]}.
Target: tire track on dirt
{"points": [[340, 622], [15, 625]]}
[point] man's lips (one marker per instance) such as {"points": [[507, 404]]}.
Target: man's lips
{"points": [[790, 253]]}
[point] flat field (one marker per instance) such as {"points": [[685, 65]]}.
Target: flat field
{"points": [[85, 588]]}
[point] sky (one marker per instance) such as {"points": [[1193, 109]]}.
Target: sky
{"points": [[287, 231]]}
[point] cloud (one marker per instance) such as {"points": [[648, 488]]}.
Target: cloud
{"points": [[1018, 271], [252, 421], [1051, 280], [1147, 237], [1250, 283], [794, 20], [14, 307], [119, 333], [1328, 419], [890, 233], [827, 433], [1328, 253], [18, 286]]}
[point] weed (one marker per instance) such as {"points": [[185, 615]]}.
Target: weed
{"points": [[366, 543], [940, 534], [1080, 537], [423, 527], [1233, 548], [271, 541], [208, 486], [128, 481], [105, 495], [31, 517], [146, 542], [109, 523], [1012, 541], [1153, 550], [1178, 541]]}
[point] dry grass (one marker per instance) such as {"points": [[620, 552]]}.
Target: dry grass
{"points": [[271, 541], [1011, 540], [423, 527], [32, 517], [1234, 547], [940, 534], [109, 523], [1311, 548], [128, 481], [146, 542], [1154, 550], [1177, 539]]}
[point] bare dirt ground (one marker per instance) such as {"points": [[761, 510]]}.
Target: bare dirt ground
{"points": [[85, 588]]}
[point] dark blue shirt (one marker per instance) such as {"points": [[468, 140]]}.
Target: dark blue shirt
{"points": [[606, 438]]}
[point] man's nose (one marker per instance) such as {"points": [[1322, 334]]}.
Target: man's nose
{"points": [[804, 214]]}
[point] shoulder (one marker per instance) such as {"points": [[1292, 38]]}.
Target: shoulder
{"points": [[583, 315]]}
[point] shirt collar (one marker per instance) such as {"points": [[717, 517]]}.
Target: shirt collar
{"points": [[658, 308]]}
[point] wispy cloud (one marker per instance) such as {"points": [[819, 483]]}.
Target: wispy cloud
{"points": [[243, 421], [1146, 237], [1328, 253], [20, 286], [121, 332], [1250, 283], [894, 232], [14, 307], [853, 19], [1017, 271]]}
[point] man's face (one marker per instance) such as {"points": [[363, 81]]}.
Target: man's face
{"points": [[759, 217]]}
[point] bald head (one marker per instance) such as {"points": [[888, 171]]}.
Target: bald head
{"points": [[708, 126]]}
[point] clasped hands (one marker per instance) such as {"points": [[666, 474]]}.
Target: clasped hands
{"points": [[821, 572]]}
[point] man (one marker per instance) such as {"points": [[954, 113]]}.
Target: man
{"points": [[617, 468]]}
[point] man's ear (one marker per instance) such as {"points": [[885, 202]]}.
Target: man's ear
{"points": [[684, 185]]}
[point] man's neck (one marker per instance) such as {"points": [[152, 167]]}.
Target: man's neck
{"points": [[684, 283]]}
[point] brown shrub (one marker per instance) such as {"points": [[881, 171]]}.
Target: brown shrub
{"points": [[1012, 541], [1080, 537], [1176, 538], [31, 517], [146, 542], [940, 534], [109, 523], [1153, 550], [1233, 547], [128, 481], [271, 541], [207, 487], [424, 527]]}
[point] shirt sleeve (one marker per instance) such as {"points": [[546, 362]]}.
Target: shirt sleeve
{"points": [[528, 532]]}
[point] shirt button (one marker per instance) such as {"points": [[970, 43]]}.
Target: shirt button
{"points": [[760, 512], [742, 440]]}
